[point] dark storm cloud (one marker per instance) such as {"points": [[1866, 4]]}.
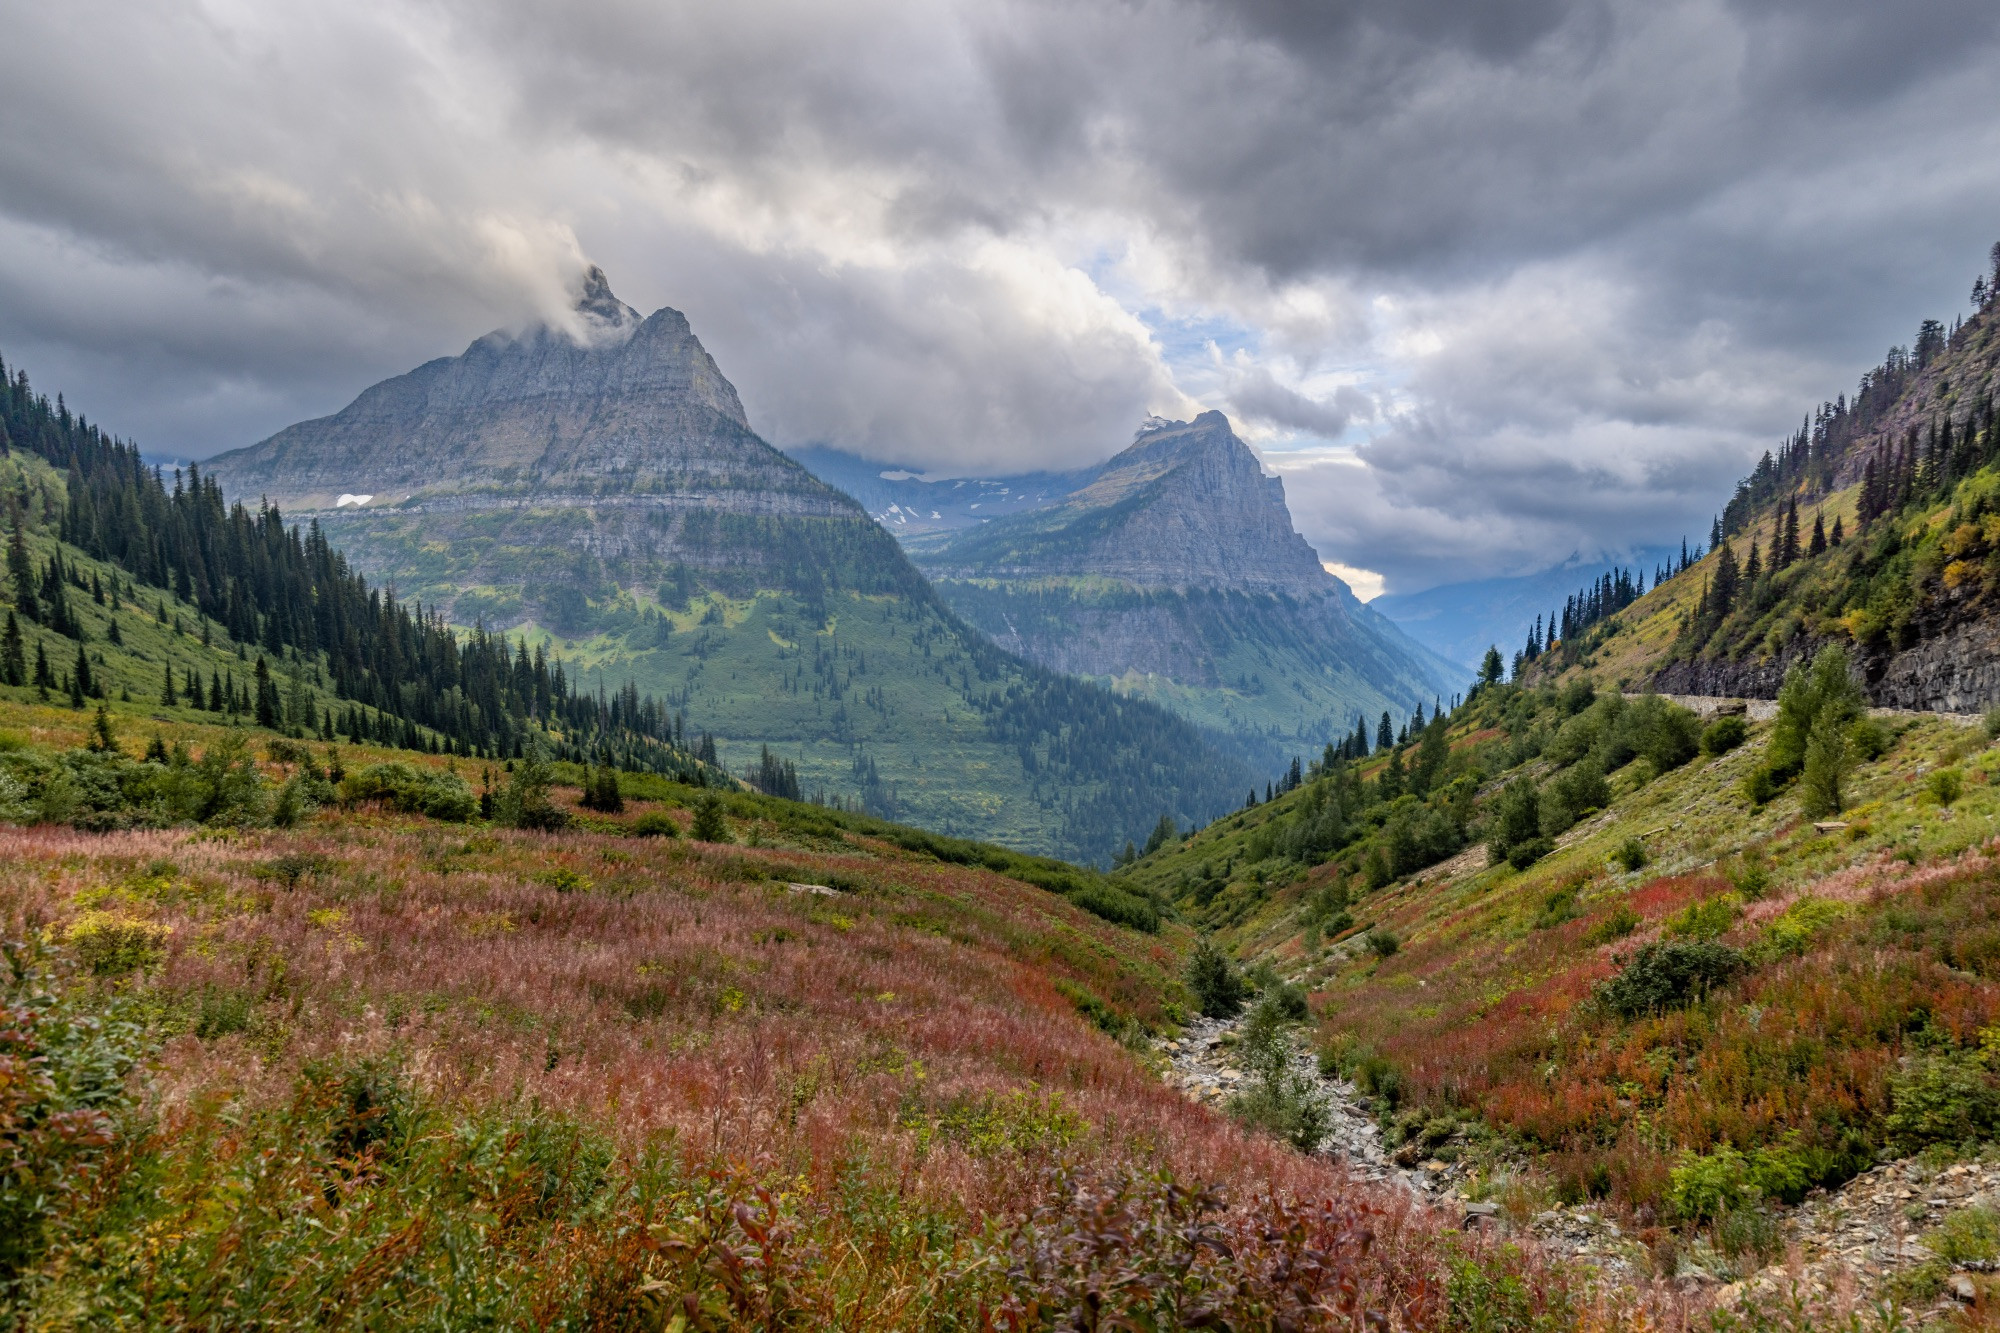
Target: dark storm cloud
{"points": [[1584, 257]]}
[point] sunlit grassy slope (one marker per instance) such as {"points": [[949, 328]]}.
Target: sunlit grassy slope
{"points": [[1864, 972]]}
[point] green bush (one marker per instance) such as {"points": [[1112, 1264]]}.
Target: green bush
{"points": [[1382, 943], [1706, 919], [1631, 854], [1704, 1188], [1282, 1099], [1622, 922], [1945, 785], [1119, 907], [1968, 1236], [1217, 986], [417, 791], [1870, 739], [1792, 933], [1285, 1003], [1667, 975], [655, 824], [1724, 734], [1760, 785], [1942, 1097], [1524, 854]]}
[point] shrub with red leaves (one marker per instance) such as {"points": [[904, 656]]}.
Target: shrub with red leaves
{"points": [[1147, 1253]]}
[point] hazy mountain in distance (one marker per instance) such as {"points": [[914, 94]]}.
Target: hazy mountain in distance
{"points": [[1460, 621]]}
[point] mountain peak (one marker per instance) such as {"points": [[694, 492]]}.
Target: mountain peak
{"points": [[601, 312]]}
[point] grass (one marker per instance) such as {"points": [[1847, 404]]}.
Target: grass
{"points": [[390, 1071]]}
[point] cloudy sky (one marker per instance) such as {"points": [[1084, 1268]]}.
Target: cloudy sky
{"points": [[1491, 282]]}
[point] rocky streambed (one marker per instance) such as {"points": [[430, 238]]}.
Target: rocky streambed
{"points": [[1922, 1236]]}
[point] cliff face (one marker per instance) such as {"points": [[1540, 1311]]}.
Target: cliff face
{"points": [[1187, 505], [615, 405], [1176, 573]]}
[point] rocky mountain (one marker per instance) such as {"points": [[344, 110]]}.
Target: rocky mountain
{"points": [[595, 483], [1175, 573]]}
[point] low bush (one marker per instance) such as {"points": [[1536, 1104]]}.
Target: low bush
{"points": [[1383, 943], [1942, 1097], [413, 790], [1968, 1236], [1668, 975], [655, 824], [1524, 854], [1724, 734], [1631, 855]]}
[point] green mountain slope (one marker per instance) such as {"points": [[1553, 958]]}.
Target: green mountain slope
{"points": [[600, 491], [1175, 575]]}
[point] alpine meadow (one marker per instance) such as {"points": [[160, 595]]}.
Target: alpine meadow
{"points": [[1204, 665]]}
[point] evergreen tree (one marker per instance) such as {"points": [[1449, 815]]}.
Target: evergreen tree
{"points": [[1722, 593], [45, 679], [13, 654], [1385, 735], [1818, 546], [709, 824], [101, 738], [167, 697], [81, 685], [1492, 667], [22, 571], [267, 697], [1837, 535]]}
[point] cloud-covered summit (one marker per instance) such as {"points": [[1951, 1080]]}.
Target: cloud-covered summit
{"points": [[1492, 281]]}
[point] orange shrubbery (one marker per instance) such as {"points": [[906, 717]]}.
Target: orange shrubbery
{"points": [[1798, 1055]]}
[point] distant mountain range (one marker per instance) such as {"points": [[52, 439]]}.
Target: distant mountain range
{"points": [[598, 483], [1460, 621]]}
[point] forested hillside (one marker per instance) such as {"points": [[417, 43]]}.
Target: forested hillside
{"points": [[1872, 527]]}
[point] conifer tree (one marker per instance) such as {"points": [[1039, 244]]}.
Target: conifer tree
{"points": [[167, 697], [1837, 536], [81, 685], [13, 654], [1818, 546], [101, 738], [22, 571], [1385, 735], [45, 679], [267, 696]]}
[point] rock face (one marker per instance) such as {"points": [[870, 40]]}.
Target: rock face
{"points": [[1176, 573], [613, 407], [1955, 670], [1186, 506]]}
